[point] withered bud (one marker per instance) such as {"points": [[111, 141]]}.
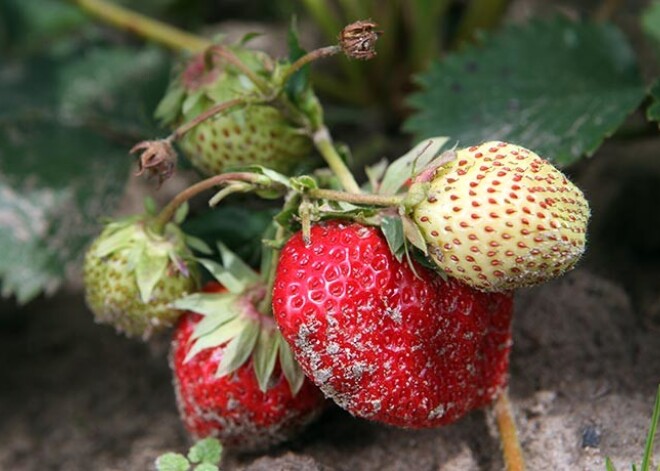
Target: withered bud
{"points": [[358, 40], [158, 159]]}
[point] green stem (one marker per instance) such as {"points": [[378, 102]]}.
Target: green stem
{"points": [[356, 198], [214, 110], [169, 211], [324, 144], [144, 26], [266, 305], [513, 457], [310, 57]]}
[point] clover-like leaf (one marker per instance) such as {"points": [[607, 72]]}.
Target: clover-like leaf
{"points": [[207, 450], [172, 462]]}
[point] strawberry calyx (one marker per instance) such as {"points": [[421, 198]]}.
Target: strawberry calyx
{"points": [[233, 318], [152, 254]]}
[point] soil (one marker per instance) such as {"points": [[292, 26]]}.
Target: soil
{"points": [[584, 369]]}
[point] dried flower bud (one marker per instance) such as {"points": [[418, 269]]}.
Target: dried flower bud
{"points": [[158, 159], [358, 40]]}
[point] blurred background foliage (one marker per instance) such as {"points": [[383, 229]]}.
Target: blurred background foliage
{"points": [[75, 95]]}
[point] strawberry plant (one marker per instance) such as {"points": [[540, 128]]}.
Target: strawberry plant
{"points": [[392, 298]]}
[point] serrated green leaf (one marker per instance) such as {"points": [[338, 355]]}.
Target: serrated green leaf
{"points": [[290, 367], [63, 157], [239, 349], [651, 21], [218, 337], [414, 234], [172, 462], [392, 228], [265, 356], [653, 111], [410, 163], [207, 450], [149, 270], [557, 87], [235, 266]]}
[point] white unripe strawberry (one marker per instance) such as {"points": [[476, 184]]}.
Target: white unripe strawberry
{"points": [[500, 217]]}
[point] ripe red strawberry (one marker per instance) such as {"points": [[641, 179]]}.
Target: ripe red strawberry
{"points": [[258, 134], [499, 217], [385, 344], [244, 412]]}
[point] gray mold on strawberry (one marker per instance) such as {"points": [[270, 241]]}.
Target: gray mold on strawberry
{"points": [[446, 355]]}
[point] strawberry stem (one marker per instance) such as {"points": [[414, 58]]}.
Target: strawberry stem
{"points": [[310, 57], [214, 110], [513, 457], [356, 198], [324, 145], [169, 211], [143, 26], [266, 304]]}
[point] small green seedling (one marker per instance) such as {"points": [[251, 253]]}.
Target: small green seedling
{"points": [[203, 456], [648, 449]]}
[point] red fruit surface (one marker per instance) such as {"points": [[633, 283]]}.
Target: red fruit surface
{"points": [[233, 408], [381, 342]]}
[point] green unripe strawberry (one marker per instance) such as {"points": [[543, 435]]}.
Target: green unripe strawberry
{"points": [[132, 274], [255, 134], [499, 217]]}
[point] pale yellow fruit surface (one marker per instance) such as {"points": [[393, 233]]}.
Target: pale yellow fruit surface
{"points": [[500, 217]]}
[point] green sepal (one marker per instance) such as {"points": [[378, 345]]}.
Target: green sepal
{"points": [[228, 331], [265, 356], [181, 213], [414, 234], [170, 106], [375, 174], [299, 82], [303, 183], [205, 304], [150, 267], [247, 37], [121, 237], [198, 244], [236, 187], [150, 206], [272, 174], [237, 267], [172, 462], [407, 165], [290, 367], [192, 101], [392, 228], [225, 278], [239, 348]]}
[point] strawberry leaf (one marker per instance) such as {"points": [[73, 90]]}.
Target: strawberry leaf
{"points": [[651, 21], [206, 467], [410, 163], [208, 450], [237, 267], [265, 356], [557, 87], [172, 462], [239, 348]]}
